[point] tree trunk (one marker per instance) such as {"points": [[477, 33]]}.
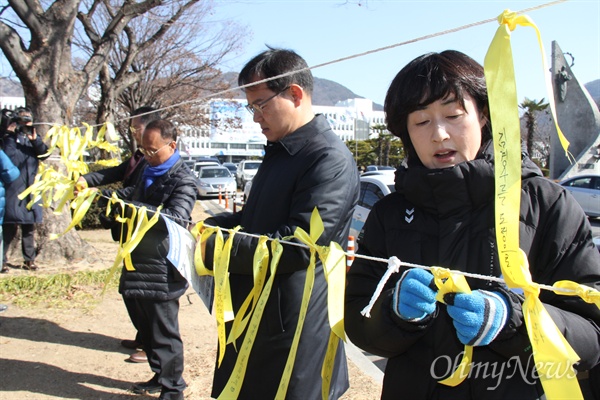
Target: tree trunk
{"points": [[69, 247]]}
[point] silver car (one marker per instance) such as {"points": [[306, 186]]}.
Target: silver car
{"points": [[213, 180], [586, 190], [373, 187]]}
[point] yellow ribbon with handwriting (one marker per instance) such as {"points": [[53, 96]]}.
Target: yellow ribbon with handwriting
{"points": [[234, 384], [259, 272], [221, 256], [550, 349], [223, 303], [250, 313]]}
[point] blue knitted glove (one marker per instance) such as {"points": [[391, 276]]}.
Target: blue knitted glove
{"points": [[478, 316], [414, 296]]}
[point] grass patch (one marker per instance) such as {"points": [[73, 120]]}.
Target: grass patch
{"points": [[81, 289]]}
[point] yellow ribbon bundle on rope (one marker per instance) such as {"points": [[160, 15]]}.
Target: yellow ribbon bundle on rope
{"points": [[137, 223], [550, 349], [249, 315], [52, 186]]}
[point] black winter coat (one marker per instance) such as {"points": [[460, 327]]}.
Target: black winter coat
{"points": [[128, 172], [24, 155], [155, 278], [308, 168], [446, 218]]}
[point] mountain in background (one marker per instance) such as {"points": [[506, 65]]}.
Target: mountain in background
{"points": [[326, 92], [10, 88], [593, 88]]}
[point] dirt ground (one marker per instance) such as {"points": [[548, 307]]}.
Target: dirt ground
{"points": [[49, 353]]}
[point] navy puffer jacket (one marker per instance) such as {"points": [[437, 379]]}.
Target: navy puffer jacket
{"points": [[8, 173], [154, 277], [445, 217], [24, 154]]}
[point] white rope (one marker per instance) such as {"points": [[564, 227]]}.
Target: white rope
{"points": [[393, 267], [392, 262]]}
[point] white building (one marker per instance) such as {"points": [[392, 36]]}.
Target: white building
{"points": [[11, 103], [232, 135]]}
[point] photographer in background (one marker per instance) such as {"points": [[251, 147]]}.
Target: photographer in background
{"points": [[23, 146]]}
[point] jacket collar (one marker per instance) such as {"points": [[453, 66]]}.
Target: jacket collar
{"points": [[450, 190], [295, 141]]}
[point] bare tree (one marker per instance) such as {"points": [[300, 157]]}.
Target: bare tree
{"points": [[37, 40], [161, 61]]}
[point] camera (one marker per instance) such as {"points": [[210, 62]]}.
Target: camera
{"points": [[25, 129], [22, 117]]}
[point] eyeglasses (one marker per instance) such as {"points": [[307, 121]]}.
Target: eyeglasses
{"points": [[258, 107], [133, 129], [150, 153]]}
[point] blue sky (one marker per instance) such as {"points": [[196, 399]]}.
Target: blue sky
{"points": [[326, 30]]}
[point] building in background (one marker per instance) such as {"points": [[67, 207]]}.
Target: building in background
{"points": [[232, 135]]}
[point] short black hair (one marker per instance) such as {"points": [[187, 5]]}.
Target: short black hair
{"points": [[428, 78], [274, 62], [167, 129]]}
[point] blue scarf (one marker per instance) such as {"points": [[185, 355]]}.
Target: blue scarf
{"points": [[151, 173]]}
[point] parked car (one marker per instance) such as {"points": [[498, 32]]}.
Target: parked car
{"points": [[247, 188], [372, 188], [204, 163], [190, 163], [586, 190], [232, 167], [215, 179], [390, 172], [370, 168], [246, 171]]}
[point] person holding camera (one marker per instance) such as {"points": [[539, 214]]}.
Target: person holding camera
{"points": [[24, 147]]}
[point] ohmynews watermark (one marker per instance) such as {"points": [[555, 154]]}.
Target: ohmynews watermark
{"points": [[529, 371]]}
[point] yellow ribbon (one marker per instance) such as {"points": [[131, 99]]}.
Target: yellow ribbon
{"points": [[137, 226], [588, 294], [449, 282], [234, 384], [333, 259], [550, 349], [223, 303], [259, 271], [221, 256], [511, 20], [80, 205], [289, 365]]}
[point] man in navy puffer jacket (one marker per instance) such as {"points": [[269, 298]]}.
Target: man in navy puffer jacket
{"points": [[155, 285]]}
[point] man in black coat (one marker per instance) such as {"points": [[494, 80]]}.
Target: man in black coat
{"points": [[128, 172], [24, 147], [305, 166], [155, 285]]}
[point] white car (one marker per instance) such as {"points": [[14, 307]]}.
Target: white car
{"points": [[247, 189], [203, 163], [246, 171], [586, 190], [213, 180], [373, 186]]}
